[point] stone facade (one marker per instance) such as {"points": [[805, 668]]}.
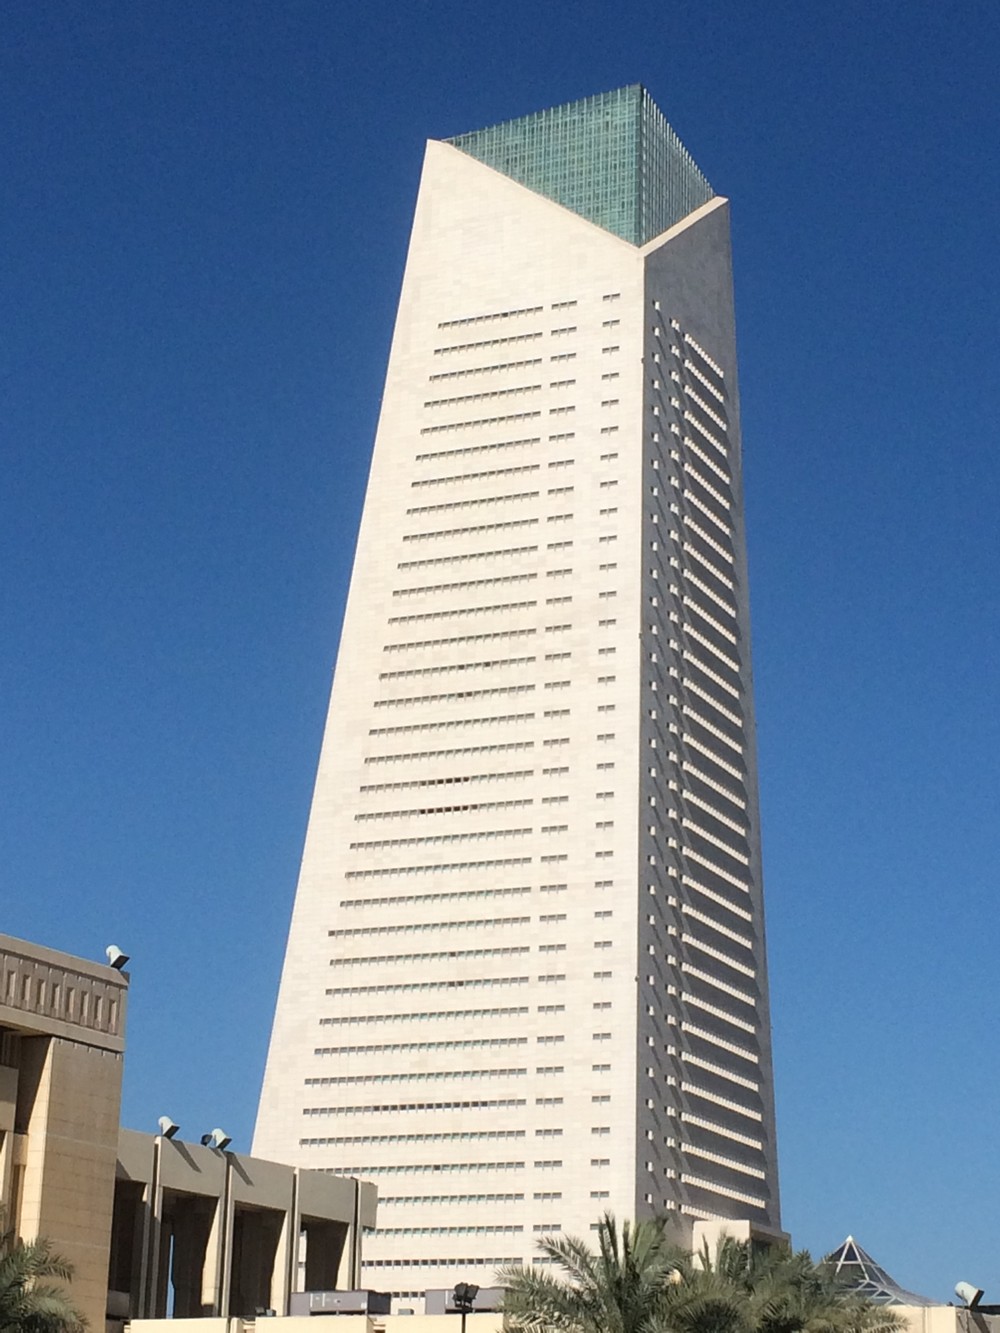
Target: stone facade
{"points": [[62, 1039], [526, 975]]}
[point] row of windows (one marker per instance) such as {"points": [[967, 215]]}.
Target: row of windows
{"points": [[353, 932], [511, 498], [485, 370], [438, 839], [432, 956], [491, 318], [467, 555], [476, 476], [471, 531], [697, 347], [386, 988], [722, 845], [483, 395], [439, 782], [713, 730], [712, 648], [498, 1229], [395, 1108], [499, 608], [451, 640], [713, 676], [479, 421], [451, 724], [741, 1052], [716, 897], [707, 538], [740, 1108], [489, 342], [709, 411], [703, 509], [415, 1076], [446, 754], [421, 1169], [423, 1016], [449, 809], [689, 1119], [444, 1136], [446, 668], [465, 1044], [710, 593], [449, 1198], [714, 570], [397, 899], [702, 379], [464, 450], [709, 619], [436, 1263], [549, 1039], [717, 983], [709, 462], [454, 696]]}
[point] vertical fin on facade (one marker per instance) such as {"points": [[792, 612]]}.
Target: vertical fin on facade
{"points": [[613, 159]]}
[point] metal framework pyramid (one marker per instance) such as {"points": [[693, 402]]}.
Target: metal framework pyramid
{"points": [[611, 158], [859, 1271]]}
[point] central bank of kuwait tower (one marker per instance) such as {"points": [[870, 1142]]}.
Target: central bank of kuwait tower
{"points": [[526, 977]]}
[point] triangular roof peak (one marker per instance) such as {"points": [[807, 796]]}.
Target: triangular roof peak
{"points": [[611, 158], [859, 1271]]}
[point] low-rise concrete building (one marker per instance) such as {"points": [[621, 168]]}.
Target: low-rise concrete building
{"points": [[201, 1232], [62, 1043], [151, 1225]]}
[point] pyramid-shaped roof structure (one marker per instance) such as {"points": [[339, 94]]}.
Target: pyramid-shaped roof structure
{"points": [[612, 158], [858, 1270]]}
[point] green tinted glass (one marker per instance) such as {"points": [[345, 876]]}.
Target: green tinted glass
{"points": [[611, 158]]}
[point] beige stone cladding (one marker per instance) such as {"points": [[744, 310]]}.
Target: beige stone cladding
{"points": [[61, 1043], [494, 1001], [711, 1115]]}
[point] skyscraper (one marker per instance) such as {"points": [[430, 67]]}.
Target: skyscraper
{"points": [[526, 976]]}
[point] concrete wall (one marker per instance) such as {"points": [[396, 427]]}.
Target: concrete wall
{"points": [[62, 1025], [209, 1233], [475, 1323], [947, 1319]]}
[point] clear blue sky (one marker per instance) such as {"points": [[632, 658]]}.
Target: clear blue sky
{"points": [[205, 212]]}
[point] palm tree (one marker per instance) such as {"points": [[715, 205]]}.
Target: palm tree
{"points": [[618, 1289], [774, 1290], [638, 1283], [30, 1302]]}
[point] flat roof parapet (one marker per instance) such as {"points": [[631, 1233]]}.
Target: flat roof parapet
{"points": [[44, 992]]}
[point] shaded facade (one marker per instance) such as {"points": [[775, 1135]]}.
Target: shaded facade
{"points": [[526, 975], [62, 1041], [149, 1224], [200, 1232]]}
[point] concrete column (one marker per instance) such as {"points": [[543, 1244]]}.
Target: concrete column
{"points": [[68, 1103], [286, 1257], [217, 1272]]}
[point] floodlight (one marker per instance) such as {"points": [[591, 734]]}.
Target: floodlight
{"points": [[217, 1139], [465, 1295], [115, 957], [966, 1292], [168, 1128]]}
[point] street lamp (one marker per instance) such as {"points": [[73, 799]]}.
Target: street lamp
{"points": [[465, 1298]]}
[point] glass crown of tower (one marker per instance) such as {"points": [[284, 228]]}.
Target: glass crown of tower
{"points": [[613, 159]]}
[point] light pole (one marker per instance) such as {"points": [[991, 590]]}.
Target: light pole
{"points": [[465, 1298]]}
